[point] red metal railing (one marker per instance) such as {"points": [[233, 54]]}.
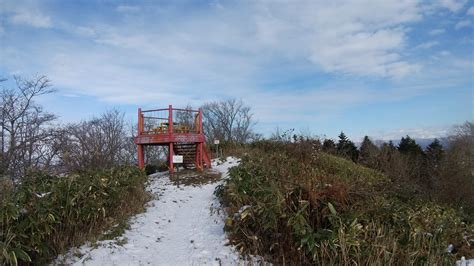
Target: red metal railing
{"points": [[169, 120]]}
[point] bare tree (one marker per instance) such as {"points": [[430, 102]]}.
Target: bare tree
{"points": [[130, 154], [282, 135], [456, 181], [29, 140], [24, 126], [97, 143], [228, 120], [186, 118]]}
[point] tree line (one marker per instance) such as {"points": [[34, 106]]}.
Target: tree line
{"points": [[442, 173], [436, 172], [31, 138]]}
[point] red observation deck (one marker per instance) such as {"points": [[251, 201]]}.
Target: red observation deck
{"points": [[179, 129]]}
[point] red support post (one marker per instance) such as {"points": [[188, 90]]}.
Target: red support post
{"points": [[140, 121], [171, 166], [170, 119], [141, 153], [141, 157], [200, 156], [200, 144], [196, 162], [200, 121], [201, 131], [170, 130]]}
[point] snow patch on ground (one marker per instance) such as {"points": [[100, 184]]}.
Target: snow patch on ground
{"points": [[464, 262], [183, 226]]}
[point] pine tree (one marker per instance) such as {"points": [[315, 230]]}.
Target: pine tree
{"points": [[434, 156], [415, 162], [434, 153], [368, 153], [409, 146], [329, 146], [346, 148], [343, 141], [391, 145]]}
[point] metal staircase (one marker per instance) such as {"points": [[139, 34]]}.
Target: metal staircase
{"points": [[190, 152]]}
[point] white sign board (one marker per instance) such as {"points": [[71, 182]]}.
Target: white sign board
{"points": [[177, 158], [216, 141]]}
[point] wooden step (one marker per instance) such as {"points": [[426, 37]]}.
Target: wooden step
{"points": [[188, 151]]}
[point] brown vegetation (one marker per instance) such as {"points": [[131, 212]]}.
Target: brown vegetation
{"points": [[295, 205]]}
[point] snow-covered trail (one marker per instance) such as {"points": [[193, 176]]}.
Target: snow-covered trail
{"points": [[181, 227]]}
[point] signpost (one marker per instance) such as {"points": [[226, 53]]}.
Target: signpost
{"points": [[216, 142], [177, 158]]}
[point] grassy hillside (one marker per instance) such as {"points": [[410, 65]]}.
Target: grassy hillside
{"points": [[291, 203]]}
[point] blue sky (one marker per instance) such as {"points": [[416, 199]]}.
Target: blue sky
{"points": [[367, 67]]}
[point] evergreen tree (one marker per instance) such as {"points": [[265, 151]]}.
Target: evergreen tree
{"points": [[329, 146], [415, 162], [346, 148], [343, 140], [434, 153], [409, 146], [368, 153], [434, 156], [391, 145]]}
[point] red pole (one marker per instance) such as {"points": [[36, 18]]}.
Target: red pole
{"points": [[141, 156], [170, 130], [140, 121], [200, 144], [196, 162], [200, 156], [171, 158], [200, 121], [141, 153], [170, 119]]}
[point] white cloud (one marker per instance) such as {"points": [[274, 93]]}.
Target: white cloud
{"points": [[462, 24], [347, 38], [362, 53], [427, 45], [31, 18], [470, 11], [429, 132], [399, 70], [444, 53], [437, 31], [453, 5], [85, 31], [71, 95], [236, 51], [128, 8]]}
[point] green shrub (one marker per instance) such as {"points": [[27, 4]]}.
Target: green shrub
{"points": [[151, 169], [291, 203], [47, 214]]}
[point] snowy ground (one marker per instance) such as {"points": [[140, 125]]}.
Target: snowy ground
{"points": [[183, 226]]}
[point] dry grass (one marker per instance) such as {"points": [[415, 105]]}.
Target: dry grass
{"points": [[294, 205]]}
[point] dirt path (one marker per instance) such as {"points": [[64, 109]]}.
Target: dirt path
{"points": [[181, 227]]}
